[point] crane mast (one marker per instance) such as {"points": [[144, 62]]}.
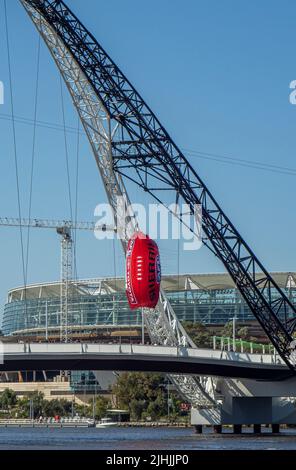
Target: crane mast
{"points": [[64, 230], [66, 277]]}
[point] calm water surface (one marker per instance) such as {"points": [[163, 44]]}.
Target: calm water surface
{"points": [[138, 438]]}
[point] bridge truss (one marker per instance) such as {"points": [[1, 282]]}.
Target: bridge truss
{"points": [[128, 141]]}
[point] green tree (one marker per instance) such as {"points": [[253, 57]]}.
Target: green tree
{"points": [[101, 406], [36, 399], [137, 408], [80, 409], [227, 330], [42, 407], [244, 333], [135, 391], [136, 386], [175, 404], [55, 407], [158, 407], [8, 399], [199, 333]]}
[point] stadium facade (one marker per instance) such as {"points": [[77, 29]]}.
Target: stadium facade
{"points": [[99, 306]]}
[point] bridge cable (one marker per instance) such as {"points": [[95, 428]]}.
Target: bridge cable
{"points": [[115, 302], [179, 221], [76, 196], [256, 165], [66, 148], [15, 146], [33, 154]]}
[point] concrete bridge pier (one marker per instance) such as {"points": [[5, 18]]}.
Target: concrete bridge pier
{"points": [[257, 428], [275, 428], [237, 428], [217, 428], [198, 429], [250, 402]]}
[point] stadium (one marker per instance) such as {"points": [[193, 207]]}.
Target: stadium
{"points": [[98, 308]]}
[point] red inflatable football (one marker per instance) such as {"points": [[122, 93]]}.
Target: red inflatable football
{"points": [[143, 272]]}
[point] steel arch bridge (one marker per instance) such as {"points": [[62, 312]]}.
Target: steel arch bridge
{"points": [[129, 142]]}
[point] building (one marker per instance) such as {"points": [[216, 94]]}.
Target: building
{"points": [[98, 308], [98, 311], [78, 387]]}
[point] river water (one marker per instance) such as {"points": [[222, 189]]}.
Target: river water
{"points": [[140, 439]]}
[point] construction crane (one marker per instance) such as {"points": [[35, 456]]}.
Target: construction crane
{"points": [[64, 229]]}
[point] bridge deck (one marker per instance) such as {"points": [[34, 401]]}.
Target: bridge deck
{"points": [[92, 356]]}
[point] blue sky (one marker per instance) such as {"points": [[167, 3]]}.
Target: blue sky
{"points": [[217, 75]]}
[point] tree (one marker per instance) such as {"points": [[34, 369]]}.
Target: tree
{"points": [[175, 405], [36, 399], [158, 407], [8, 399], [42, 407], [101, 407], [227, 330], [55, 407], [137, 408], [244, 333], [136, 391], [199, 333]]}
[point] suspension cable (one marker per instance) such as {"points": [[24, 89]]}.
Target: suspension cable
{"points": [[76, 197], [178, 255], [66, 148], [33, 155], [115, 301], [15, 146], [224, 159]]}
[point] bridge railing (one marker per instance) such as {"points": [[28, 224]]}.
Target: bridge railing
{"points": [[228, 344]]}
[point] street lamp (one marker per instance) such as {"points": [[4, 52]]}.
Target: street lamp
{"points": [[31, 409], [233, 332], [168, 398], [72, 407]]}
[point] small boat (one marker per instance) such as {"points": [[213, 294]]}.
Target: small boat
{"points": [[106, 423]]}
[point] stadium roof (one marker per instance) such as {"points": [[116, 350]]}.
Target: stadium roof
{"points": [[170, 283]]}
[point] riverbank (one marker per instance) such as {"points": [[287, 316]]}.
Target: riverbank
{"points": [[87, 423], [28, 423]]}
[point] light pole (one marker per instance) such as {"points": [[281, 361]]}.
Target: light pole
{"points": [[46, 320], [233, 332], [143, 327], [93, 408], [168, 399], [31, 409]]}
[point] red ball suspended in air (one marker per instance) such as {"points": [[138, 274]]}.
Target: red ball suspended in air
{"points": [[143, 272]]}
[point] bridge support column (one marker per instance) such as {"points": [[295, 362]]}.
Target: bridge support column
{"points": [[237, 429], [257, 428], [251, 402], [218, 429], [198, 429], [275, 428]]}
